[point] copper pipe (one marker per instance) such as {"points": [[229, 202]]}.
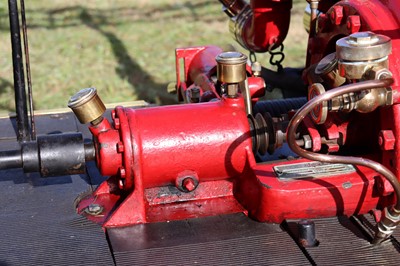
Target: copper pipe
{"points": [[302, 112]]}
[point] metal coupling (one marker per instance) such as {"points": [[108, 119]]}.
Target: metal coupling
{"points": [[87, 106], [237, 25], [388, 223]]}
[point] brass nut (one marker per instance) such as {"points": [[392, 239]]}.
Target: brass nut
{"points": [[378, 73]]}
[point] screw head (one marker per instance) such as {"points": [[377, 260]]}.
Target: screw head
{"points": [[94, 209]]}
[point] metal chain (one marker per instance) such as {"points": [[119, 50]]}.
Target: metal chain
{"points": [[252, 57], [277, 58]]}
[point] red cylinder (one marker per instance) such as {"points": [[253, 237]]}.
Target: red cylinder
{"points": [[206, 141]]}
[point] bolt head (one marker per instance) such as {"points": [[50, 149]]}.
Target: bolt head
{"points": [[94, 209], [122, 172], [365, 38], [117, 123], [337, 15], [120, 147], [353, 23], [189, 184]]}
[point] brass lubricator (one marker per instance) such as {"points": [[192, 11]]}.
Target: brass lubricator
{"points": [[87, 106], [231, 70]]}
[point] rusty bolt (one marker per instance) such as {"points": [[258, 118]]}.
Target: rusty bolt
{"points": [[337, 15], [386, 140], [189, 184], [117, 123], [353, 23], [120, 147], [122, 172]]}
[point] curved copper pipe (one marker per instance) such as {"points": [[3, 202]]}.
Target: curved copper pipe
{"points": [[302, 112]]}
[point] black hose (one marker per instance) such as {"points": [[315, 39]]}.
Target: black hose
{"points": [[278, 107]]}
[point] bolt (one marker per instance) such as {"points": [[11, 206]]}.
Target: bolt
{"points": [[117, 123], [306, 233], [365, 38], [337, 15], [256, 68], [189, 184], [122, 172], [121, 183], [353, 23], [387, 140], [120, 147], [94, 209], [194, 94]]}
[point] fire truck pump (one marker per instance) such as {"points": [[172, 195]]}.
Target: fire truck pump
{"points": [[332, 152]]}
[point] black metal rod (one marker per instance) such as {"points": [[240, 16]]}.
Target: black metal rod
{"points": [[10, 159], [28, 69], [23, 133]]}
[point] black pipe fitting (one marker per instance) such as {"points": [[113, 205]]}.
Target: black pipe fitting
{"points": [[51, 155]]}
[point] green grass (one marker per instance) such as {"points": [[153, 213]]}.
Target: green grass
{"points": [[123, 48]]}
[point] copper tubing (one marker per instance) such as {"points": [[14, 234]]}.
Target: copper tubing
{"points": [[302, 112]]}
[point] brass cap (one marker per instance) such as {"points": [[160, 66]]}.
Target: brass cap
{"points": [[87, 105], [363, 46], [231, 67]]}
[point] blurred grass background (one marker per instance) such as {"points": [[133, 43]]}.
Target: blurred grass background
{"points": [[123, 48]]}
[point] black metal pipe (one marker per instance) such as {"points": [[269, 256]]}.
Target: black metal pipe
{"points": [[23, 133], [28, 70], [10, 159]]}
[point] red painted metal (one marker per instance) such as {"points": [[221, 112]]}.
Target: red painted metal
{"points": [[199, 66], [194, 160], [268, 25]]}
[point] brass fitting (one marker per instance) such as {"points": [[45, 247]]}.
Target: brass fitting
{"points": [[231, 70], [362, 51], [389, 221], [231, 67], [87, 106]]}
